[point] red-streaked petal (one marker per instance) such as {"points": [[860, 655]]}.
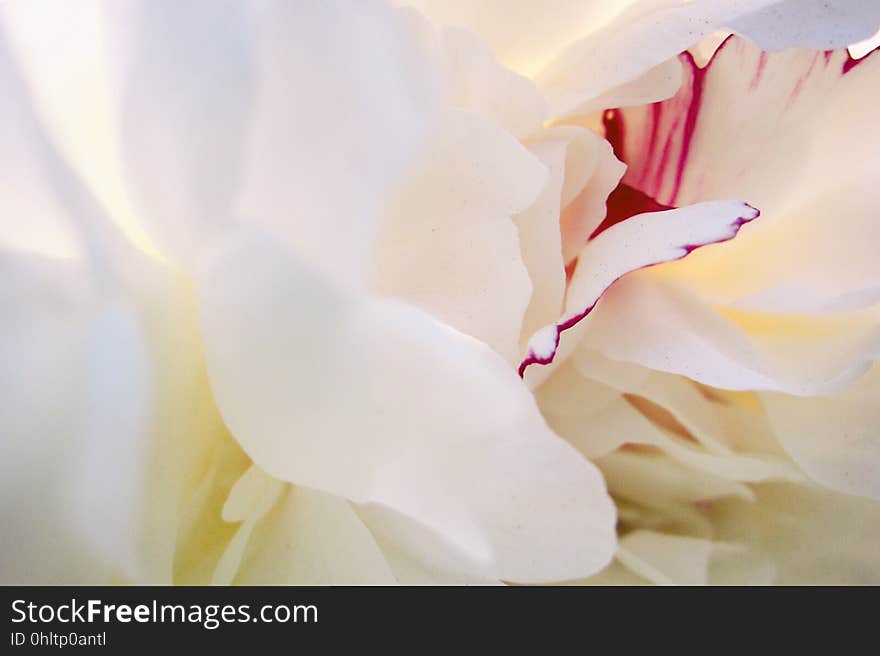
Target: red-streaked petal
{"points": [[637, 243], [792, 305]]}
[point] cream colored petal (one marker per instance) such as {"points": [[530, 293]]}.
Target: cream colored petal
{"points": [[615, 574], [583, 171], [223, 117], [658, 83], [862, 48], [654, 491], [312, 538], [449, 245], [203, 537], [416, 555], [44, 393], [816, 24], [98, 348], [394, 408], [811, 535], [62, 50], [619, 42], [585, 211], [524, 35], [596, 429], [646, 320], [639, 242], [835, 439], [666, 559], [802, 147], [661, 30], [703, 419], [249, 500], [479, 83], [540, 241], [799, 286]]}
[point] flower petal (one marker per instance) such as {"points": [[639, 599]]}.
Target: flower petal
{"points": [[312, 538], [584, 213], [666, 559], [555, 42], [639, 242], [540, 241], [692, 148], [418, 555], [658, 83], [377, 402], [224, 117], [479, 83], [43, 333], [792, 305], [182, 86], [613, 420], [62, 53], [835, 439], [654, 482], [449, 245], [103, 400], [661, 326], [817, 24], [813, 536]]}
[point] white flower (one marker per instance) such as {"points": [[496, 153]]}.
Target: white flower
{"points": [[271, 270]]}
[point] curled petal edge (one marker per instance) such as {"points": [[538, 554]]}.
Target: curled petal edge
{"points": [[543, 345]]}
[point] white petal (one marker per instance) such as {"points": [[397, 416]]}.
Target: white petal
{"points": [[654, 481], [83, 358], [62, 52], [312, 538], [630, 420], [540, 241], [662, 30], [182, 85], [836, 439], [639, 242], [374, 401], [585, 211], [224, 116], [106, 422], [449, 245], [666, 559], [43, 378], [254, 494], [795, 149], [617, 43], [524, 36], [788, 306], [588, 174], [417, 555], [658, 83], [665, 328], [203, 538], [699, 416], [479, 83], [592, 416], [862, 48]]}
